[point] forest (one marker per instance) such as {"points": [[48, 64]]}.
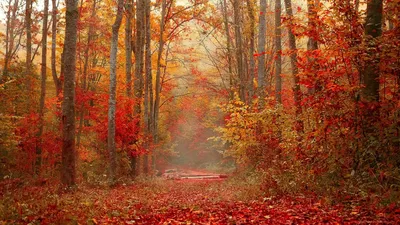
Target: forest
{"points": [[200, 112]]}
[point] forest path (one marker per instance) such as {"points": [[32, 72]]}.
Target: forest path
{"points": [[177, 202]]}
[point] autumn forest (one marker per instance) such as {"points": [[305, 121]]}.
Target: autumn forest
{"points": [[199, 111]]}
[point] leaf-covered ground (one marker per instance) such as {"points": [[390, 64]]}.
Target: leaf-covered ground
{"points": [[177, 202]]}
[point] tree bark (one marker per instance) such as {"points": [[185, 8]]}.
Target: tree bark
{"points": [[278, 46], [10, 38], [295, 69], [4, 73], [113, 89], [239, 51], [250, 9], [85, 73], [261, 50], [138, 81], [57, 81], [128, 48], [148, 100], [312, 43], [228, 49], [43, 73], [373, 30], [28, 28], [161, 44], [68, 174]]}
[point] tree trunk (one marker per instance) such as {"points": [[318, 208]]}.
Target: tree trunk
{"points": [[278, 46], [138, 81], [42, 87], [148, 100], [158, 74], [295, 69], [113, 89], [312, 43], [85, 74], [68, 174], [4, 73], [373, 30], [128, 48], [28, 28], [57, 82], [239, 51], [228, 49], [250, 9], [261, 50], [9, 39]]}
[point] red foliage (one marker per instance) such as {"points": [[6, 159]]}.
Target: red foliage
{"points": [[177, 202]]}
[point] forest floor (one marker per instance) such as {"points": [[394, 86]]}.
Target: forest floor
{"points": [[160, 201]]}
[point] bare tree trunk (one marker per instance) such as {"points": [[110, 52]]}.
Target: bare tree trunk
{"points": [[250, 9], [278, 46], [239, 51], [9, 39], [261, 50], [128, 48], [161, 44], [85, 74], [113, 88], [28, 28], [57, 82], [228, 50], [68, 174], [295, 69], [370, 80], [139, 52], [42, 88], [373, 30], [148, 100]]}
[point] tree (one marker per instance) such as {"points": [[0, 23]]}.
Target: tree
{"points": [[68, 173], [148, 86], [161, 43], [228, 48], [128, 48], [84, 85], [28, 28], [138, 81], [239, 51], [370, 76], [12, 37], [113, 87], [42, 87], [261, 49], [250, 10], [57, 81], [373, 30], [278, 47], [294, 67], [312, 43]]}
